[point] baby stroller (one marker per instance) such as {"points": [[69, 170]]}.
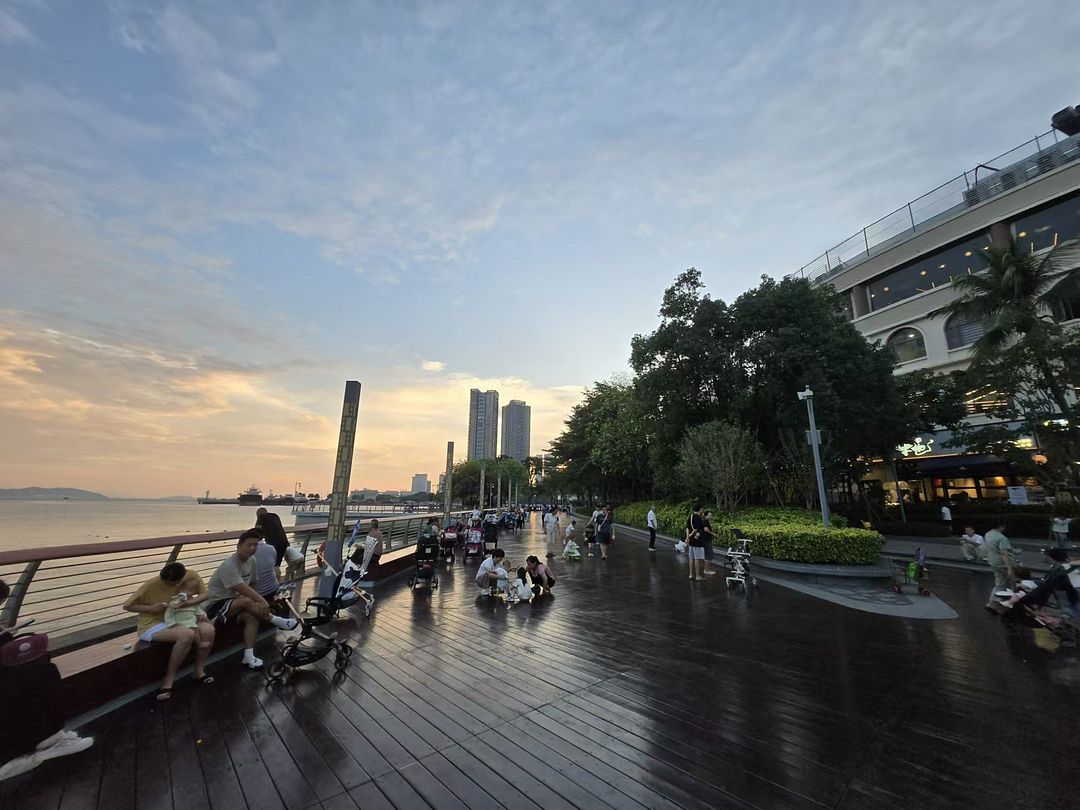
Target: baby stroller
{"points": [[738, 562], [571, 551], [912, 573], [311, 645], [491, 537], [427, 556], [450, 542], [474, 543]]}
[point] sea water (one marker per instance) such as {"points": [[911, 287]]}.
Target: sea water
{"points": [[31, 524]]}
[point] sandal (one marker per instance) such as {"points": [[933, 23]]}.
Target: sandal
{"points": [[205, 680], [164, 694]]}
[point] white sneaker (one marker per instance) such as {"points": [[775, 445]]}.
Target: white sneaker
{"points": [[253, 663], [20, 765], [64, 747], [281, 623]]}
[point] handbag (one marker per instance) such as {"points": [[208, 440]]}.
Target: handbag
{"points": [[24, 649], [680, 547]]}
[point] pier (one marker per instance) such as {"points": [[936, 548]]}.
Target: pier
{"points": [[630, 688]]}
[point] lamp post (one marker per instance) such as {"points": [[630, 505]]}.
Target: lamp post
{"points": [[808, 396]]}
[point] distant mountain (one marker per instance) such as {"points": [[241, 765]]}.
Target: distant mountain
{"points": [[50, 494]]}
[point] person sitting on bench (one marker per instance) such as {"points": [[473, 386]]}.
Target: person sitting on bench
{"points": [[151, 601], [231, 596]]}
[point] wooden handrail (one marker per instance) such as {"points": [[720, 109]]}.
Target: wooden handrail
{"points": [[44, 553]]}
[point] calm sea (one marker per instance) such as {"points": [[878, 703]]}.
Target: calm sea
{"points": [[26, 524]]}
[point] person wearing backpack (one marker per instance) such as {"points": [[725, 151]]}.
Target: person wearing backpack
{"points": [[695, 536], [31, 717]]}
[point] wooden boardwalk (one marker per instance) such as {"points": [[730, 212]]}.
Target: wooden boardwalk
{"points": [[631, 688]]}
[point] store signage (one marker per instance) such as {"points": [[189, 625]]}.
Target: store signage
{"points": [[917, 447]]}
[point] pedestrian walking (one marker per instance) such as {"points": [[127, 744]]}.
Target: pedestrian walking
{"points": [[551, 528], [710, 537], [999, 555], [650, 521]]}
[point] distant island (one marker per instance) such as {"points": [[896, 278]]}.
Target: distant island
{"points": [[50, 494]]}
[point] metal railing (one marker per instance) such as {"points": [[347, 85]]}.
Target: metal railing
{"points": [[1038, 156], [75, 592]]}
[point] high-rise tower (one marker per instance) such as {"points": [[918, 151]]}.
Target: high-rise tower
{"points": [[483, 424], [516, 419]]}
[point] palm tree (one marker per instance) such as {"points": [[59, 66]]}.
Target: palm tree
{"points": [[1016, 297]]}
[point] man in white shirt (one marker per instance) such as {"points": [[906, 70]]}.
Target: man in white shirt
{"points": [[946, 518], [650, 521], [487, 575], [972, 545]]}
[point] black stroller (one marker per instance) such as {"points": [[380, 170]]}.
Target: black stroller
{"points": [[491, 537], [311, 645], [427, 557]]}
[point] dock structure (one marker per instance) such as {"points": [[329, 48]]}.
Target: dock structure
{"points": [[631, 687]]}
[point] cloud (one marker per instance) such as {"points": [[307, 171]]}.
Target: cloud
{"points": [[432, 365], [12, 29]]}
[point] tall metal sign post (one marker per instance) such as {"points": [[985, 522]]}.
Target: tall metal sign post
{"points": [[815, 440], [448, 485], [339, 496]]}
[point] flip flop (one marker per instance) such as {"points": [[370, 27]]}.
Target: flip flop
{"points": [[164, 694], [205, 680]]}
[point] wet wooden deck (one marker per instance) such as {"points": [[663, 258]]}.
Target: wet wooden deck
{"points": [[631, 688]]}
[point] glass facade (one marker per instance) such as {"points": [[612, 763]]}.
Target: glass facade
{"points": [[1049, 226], [928, 272], [906, 345], [961, 332]]}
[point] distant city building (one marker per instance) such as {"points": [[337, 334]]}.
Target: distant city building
{"points": [[545, 462], [516, 419], [442, 482], [483, 424], [363, 494], [420, 484]]}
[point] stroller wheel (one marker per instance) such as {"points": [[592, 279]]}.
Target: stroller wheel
{"points": [[897, 589], [341, 662], [346, 650], [923, 592], [276, 672]]}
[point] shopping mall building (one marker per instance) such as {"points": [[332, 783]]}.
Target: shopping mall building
{"points": [[896, 276]]}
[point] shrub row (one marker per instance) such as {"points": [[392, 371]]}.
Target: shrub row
{"points": [[783, 533]]}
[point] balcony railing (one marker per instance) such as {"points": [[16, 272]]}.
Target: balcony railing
{"points": [[74, 593], [1036, 157]]}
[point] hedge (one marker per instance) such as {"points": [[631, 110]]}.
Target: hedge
{"points": [[783, 533]]}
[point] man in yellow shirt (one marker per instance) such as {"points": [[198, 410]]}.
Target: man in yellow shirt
{"points": [[150, 602]]}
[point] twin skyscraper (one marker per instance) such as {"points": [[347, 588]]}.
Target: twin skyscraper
{"points": [[484, 426]]}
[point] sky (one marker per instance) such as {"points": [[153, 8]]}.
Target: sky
{"points": [[213, 214]]}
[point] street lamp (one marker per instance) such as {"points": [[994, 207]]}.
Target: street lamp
{"points": [[808, 396]]}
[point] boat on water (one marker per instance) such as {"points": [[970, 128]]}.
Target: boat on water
{"points": [[278, 500], [252, 496], [208, 500]]}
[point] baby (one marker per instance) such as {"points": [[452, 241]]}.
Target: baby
{"points": [[177, 614]]}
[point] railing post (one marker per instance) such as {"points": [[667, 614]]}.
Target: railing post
{"points": [[828, 262], [1038, 148], [174, 554], [911, 216], [10, 613], [866, 241]]}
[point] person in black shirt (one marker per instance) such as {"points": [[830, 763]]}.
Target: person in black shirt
{"points": [[695, 536], [273, 531]]}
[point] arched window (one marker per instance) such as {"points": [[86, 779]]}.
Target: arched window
{"points": [[961, 332], [907, 344]]}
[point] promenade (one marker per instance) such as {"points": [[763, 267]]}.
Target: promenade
{"points": [[632, 687]]}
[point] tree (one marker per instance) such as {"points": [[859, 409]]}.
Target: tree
{"points": [[723, 460], [1026, 355]]}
